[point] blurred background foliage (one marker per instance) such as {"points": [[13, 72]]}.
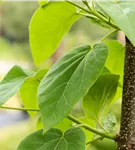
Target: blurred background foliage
{"points": [[14, 49]]}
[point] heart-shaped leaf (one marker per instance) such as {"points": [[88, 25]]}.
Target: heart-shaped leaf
{"points": [[122, 13], [54, 139], [48, 26], [68, 81], [12, 83]]}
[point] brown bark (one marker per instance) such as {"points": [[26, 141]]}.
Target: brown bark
{"points": [[126, 138]]}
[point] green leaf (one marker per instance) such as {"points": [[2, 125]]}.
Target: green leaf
{"points": [[63, 125], [100, 96], [122, 13], [68, 81], [42, 3], [28, 91], [54, 139], [110, 123], [12, 83], [115, 60], [48, 26]]}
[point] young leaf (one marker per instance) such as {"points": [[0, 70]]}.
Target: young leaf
{"points": [[122, 13], [68, 81], [110, 122], [48, 26], [12, 83], [115, 60], [42, 2], [54, 139], [100, 96], [28, 91]]}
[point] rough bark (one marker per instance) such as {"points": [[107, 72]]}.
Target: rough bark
{"points": [[126, 138]]}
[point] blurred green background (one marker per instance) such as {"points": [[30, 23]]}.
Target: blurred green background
{"points": [[14, 49]]}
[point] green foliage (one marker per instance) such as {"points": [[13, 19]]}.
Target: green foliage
{"points": [[122, 13], [115, 60], [42, 3], [68, 81], [54, 139], [12, 83], [100, 96], [50, 25], [91, 74], [28, 91]]}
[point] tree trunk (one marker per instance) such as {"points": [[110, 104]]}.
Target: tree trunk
{"points": [[126, 138]]}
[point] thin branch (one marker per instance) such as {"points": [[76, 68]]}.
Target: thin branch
{"points": [[16, 108], [94, 140], [101, 133], [93, 6], [95, 13], [109, 34]]}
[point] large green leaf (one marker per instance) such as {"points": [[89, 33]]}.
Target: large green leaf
{"points": [[42, 2], [48, 26], [28, 91], [115, 60], [68, 81], [12, 83], [122, 13], [54, 139], [100, 96]]}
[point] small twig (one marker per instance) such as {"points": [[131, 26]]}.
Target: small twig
{"points": [[109, 34], [93, 7], [94, 140], [16, 108], [98, 132], [95, 13]]}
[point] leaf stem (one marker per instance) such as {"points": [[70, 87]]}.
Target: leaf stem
{"points": [[94, 140], [109, 34], [16, 108], [93, 3], [95, 13], [102, 127], [101, 133], [70, 117]]}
